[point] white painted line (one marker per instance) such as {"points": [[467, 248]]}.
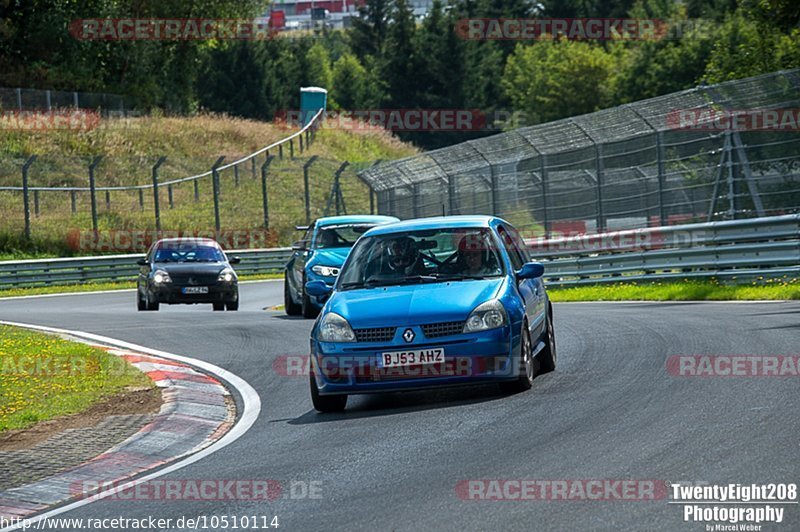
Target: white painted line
{"points": [[117, 291], [250, 399]]}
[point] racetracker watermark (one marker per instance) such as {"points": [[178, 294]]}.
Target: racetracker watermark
{"points": [[734, 120], [161, 29], [200, 490], [582, 29], [733, 366], [365, 368], [561, 490], [133, 241], [29, 366], [443, 120], [59, 119]]}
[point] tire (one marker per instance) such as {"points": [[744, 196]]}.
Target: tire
{"points": [[232, 305], [309, 309], [527, 365], [218, 306], [150, 305], [547, 356], [325, 403], [291, 308], [140, 303]]}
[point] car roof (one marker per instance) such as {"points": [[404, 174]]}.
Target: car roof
{"points": [[188, 240], [437, 222], [355, 219]]}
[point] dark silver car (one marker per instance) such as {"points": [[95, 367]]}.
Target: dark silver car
{"points": [[187, 271]]}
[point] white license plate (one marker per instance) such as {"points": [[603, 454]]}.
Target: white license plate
{"points": [[411, 357], [195, 290]]}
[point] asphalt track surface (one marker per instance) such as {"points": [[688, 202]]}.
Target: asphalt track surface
{"points": [[610, 411]]}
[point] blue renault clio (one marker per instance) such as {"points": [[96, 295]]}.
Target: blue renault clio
{"points": [[431, 302], [319, 257]]}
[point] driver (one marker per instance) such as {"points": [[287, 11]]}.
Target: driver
{"points": [[404, 257], [474, 256]]}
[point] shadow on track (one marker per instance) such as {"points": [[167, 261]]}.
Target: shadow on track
{"points": [[392, 403]]}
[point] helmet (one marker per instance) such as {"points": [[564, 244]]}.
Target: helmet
{"points": [[474, 243], [402, 252]]}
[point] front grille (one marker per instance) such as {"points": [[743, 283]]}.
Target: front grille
{"points": [[377, 334], [182, 279], [447, 328]]}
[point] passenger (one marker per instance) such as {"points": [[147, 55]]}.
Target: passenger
{"points": [[474, 256]]}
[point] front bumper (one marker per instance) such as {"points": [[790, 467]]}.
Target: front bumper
{"points": [[171, 294], [352, 368]]}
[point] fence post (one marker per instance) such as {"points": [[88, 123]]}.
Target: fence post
{"points": [[280, 151], [156, 207], [731, 184], [371, 201], [19, 99], [598, 165], [196, 190], [25, 198], [75, 100], [48, 100], [451, 194], [108, 200], [169, 195], [141, 200], [291, 148], [415, 199], [93, 191], [236, 175], [306, 194], [253, 164], [264, 197], [662, 208], [545, 213], [72, 201], [36, 203], [300, 138], [215, 180], [495, 191]]}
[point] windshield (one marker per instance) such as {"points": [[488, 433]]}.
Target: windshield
{"points": [[436, 255], [340, 236], [189, 253]]}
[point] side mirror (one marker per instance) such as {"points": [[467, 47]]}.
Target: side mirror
{"points": [[318, 289], [530, 270], [234, 260], [300, 245], [142, 262]]}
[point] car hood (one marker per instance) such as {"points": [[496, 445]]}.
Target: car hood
{"points": [[330, 256], [413, 304], [190, 268]]}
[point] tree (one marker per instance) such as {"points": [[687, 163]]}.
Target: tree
{"points": [[349, 82], [368, 33], [399, 65]]}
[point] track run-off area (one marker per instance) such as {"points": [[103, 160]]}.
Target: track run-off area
{"points": [[611, 411]]}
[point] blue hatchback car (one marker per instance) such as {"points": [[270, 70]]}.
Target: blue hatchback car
{"points": [[319, 257], [431, 302]]}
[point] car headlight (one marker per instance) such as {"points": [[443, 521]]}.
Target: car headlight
{"points": [[334, 328], [160, 277], [226, 276], [488, 315], [325, 271]]}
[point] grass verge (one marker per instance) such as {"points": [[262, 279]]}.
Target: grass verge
{"points": [[780, 289], [43, 377], [95, 287]]}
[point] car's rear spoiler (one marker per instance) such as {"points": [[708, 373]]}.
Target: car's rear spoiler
{"points": [[301, 228]]}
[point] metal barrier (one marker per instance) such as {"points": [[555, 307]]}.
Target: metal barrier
{"points": [[53, 272], [734, 250]]}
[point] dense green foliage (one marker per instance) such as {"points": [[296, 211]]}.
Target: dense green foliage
{"points": [[390, 60]]}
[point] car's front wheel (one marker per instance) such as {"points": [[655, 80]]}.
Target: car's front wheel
{"points": [[325, 403], [527, 365], [141, 304], [218, 306], [291, 308], [232, 305]]}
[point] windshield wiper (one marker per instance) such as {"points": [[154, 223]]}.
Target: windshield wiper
{"points": [[409, 279], [464, 277]]}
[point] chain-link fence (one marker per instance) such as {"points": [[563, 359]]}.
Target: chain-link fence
{"points": [[19, 100], [717, 152]]}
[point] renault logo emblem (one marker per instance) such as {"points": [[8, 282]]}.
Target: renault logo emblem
{"points": [[408, 336]]}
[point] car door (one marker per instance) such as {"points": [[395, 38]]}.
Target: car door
{"points": [[529, 289]]}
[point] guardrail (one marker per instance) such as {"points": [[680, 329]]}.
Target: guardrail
{"points": [[54, 272], [733, 250]]}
